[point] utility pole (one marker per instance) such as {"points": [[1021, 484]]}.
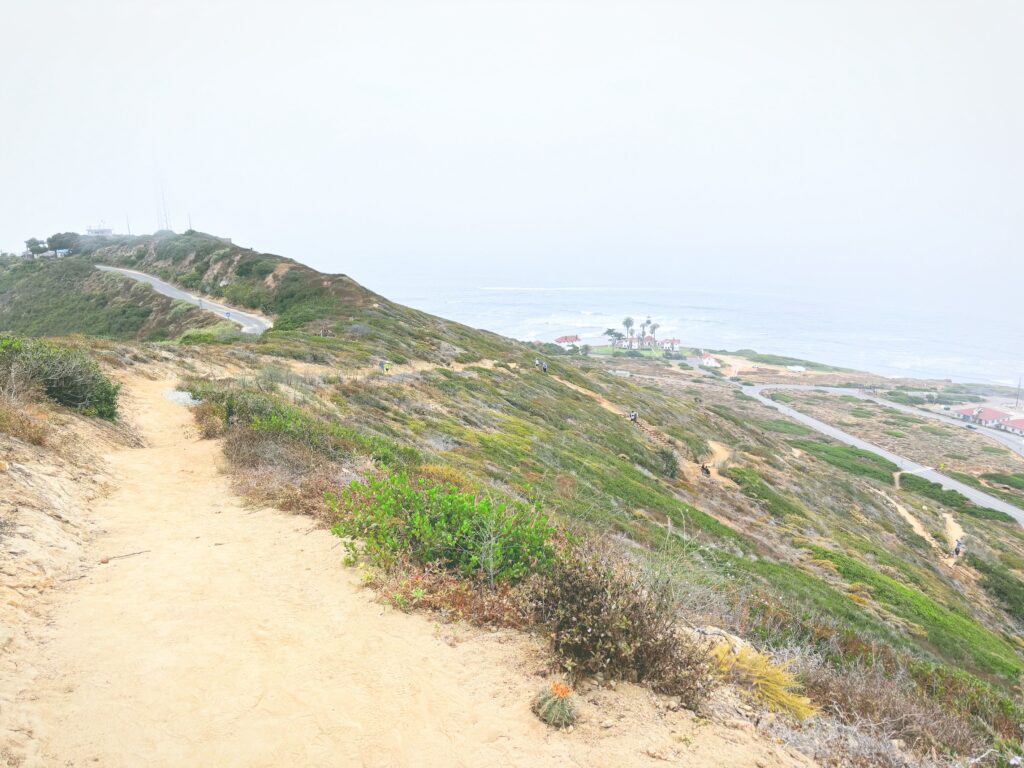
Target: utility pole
{"points": [[1016, 403]]}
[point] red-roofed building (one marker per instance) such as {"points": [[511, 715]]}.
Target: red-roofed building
{"points": [[669, 344], [567, 340], [987, 417], [1014, 425]]}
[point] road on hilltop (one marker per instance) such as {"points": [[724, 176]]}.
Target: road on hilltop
{"points": [[906, 465], [250, 323]]}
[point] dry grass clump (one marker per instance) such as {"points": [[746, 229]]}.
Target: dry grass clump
{"points": [[210, 419], [772, 684], [434, 588], [554, 705], [20, 423], [274, 470], [445, 475], [889, 705]]}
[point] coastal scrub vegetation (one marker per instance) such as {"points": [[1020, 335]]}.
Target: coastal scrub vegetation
{"points": [[66, 375]]}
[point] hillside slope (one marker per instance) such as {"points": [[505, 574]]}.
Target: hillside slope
{"points": [[233, 621], [56, 297], [795, 543]]}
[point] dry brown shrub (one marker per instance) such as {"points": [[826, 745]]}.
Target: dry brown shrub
{"points": [[608, 617], [22, 422], [888, 705], [432, 588], [209, 418]]}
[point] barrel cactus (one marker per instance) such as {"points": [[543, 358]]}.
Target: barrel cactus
{"points": [[554, 705]]}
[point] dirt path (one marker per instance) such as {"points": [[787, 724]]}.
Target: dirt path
{"points": [[910, 519], [238, 638], [953, 530]]}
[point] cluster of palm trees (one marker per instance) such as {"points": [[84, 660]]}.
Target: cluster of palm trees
{"points": [[647, 338]]}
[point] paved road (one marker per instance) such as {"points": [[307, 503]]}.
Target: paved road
{"points": [[906, 465], [250, 323], [1014, 442]]}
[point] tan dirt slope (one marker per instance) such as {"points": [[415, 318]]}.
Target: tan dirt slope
{"points": [[238, 638]]}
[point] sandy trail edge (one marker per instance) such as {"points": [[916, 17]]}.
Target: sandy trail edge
{"points": [[239, 639]]}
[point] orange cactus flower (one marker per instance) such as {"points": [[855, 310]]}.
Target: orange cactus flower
{"points": [[561, 690]]}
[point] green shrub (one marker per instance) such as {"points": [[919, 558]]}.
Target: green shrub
{"points": [[1003, 586], [785, 426], [66, 375], [606, 617], [431, 523], [951, 499], [903, 398], [1015, 480], [856, 461], [752, 485]]}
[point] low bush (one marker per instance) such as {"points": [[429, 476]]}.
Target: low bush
{"points": [[66, 375], [997, 580], [1015, 480], [754, 486], [15, 422], [888, 703], [785, 426], [209, 418], [951, 499], [856, 461], [606, 617], [396, 517]]}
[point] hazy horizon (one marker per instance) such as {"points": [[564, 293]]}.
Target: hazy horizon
{"points": [[857, 152]]}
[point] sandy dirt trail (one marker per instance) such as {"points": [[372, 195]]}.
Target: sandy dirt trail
{"points": [[238, 638]]}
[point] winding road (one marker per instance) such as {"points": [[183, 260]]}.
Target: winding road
{"points": [[250, 323], [906, 465]]}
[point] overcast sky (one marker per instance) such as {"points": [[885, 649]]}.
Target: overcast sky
{"points": [[837, 144]]}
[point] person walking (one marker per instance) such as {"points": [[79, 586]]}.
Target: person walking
{"points": [[545, 366], [957, 548]]}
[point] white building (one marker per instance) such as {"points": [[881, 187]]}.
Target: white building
{"points": [[707, 361], [987, 417], [1014, 425]]}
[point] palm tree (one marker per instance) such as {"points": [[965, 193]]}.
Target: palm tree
{"points": [[628, 325], [654, 331], [614, 335]]}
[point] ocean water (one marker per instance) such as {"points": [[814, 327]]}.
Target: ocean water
{"points": [[893, 338]]}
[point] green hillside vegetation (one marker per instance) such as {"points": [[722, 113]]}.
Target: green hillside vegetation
{"points": [[796, 547], [51, 297]]}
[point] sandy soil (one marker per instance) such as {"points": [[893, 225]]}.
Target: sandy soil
{"points": [[236, 637]]}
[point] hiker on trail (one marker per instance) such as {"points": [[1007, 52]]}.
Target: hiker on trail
{"points": [[536, 362], [545, 365], [633, 415], [957, 548], [382, 364], [387, 368], [704, 470]]}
